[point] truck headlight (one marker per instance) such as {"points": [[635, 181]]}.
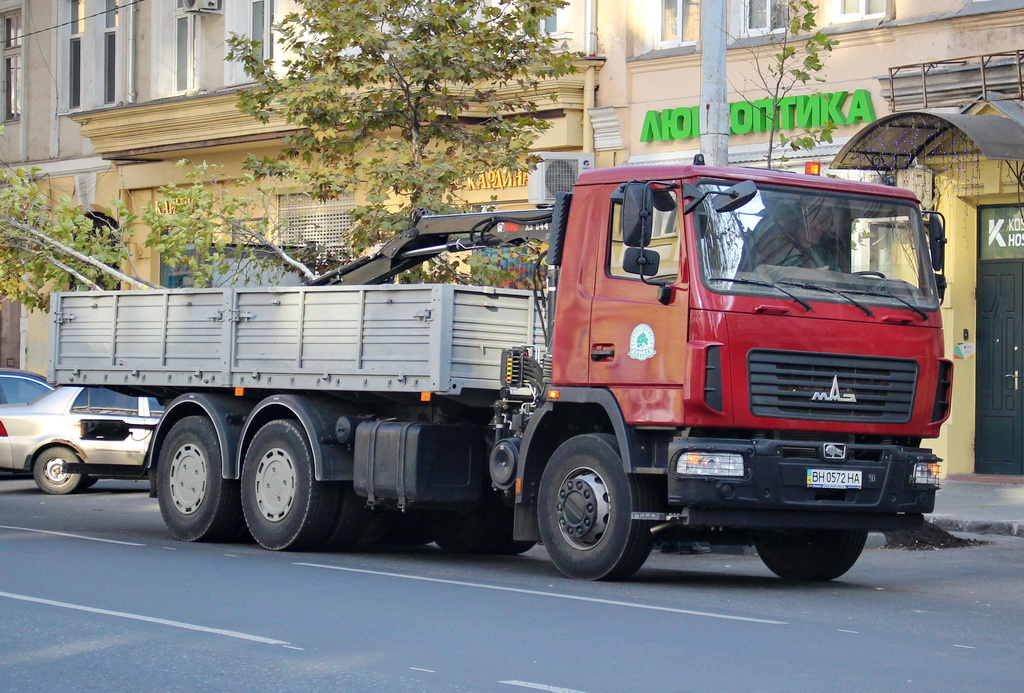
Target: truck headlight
{"points": [[926, 473], [710, 464]]}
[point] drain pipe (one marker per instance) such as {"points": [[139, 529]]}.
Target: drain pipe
{"points": [[130, 49]]}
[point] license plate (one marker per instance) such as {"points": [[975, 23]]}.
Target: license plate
{"points": [[833, 478]]}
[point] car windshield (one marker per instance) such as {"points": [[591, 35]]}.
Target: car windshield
{"points": [[829, 246]]}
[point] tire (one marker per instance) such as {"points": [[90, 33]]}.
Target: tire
{"points": [[351, 519], [285, 508], [585, 508], [811, 555], [48, 470], [484, 530], [195, 502]]}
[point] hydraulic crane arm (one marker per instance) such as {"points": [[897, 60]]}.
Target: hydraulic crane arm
{"points": [[432, 235]]}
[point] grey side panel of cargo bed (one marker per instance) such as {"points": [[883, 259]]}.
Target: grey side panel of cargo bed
{"points": [[415, 338]]}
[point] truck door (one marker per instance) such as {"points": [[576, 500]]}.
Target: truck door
{"points": [[638, 343]]}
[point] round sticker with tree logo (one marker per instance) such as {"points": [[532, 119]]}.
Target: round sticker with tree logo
{"points": [[641, 343]]}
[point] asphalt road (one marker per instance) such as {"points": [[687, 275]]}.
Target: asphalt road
{"points": [[96, 596]]}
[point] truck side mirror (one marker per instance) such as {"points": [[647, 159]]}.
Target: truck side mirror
{"points": [[936, 239], [637, 209], [735, 197], [641, 261]]}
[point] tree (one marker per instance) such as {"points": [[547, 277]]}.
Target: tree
{"points": [[795, 57], [215, 233], [402, 102]]}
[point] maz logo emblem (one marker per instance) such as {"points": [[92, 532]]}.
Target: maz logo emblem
{"points": [[834, 395], [835, 451]]}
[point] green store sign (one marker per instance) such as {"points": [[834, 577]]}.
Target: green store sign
{"points": [[805, 111]]}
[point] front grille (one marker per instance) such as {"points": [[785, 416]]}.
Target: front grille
{"points": [[831, 387]]}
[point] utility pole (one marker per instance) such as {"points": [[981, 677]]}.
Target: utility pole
{"points": [[714, 109]]}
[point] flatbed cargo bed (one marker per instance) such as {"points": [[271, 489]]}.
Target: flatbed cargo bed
{"points": [[391, 338]]}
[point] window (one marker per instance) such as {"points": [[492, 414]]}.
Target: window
{"points": [[12, 65], [765, 16], [261, 23], [97, 400], [77, 27], [110, 52], [184, 49], [860, 9], [17, 389], [678, 22], [664, 239]]}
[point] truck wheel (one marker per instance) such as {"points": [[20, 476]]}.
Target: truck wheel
{"points": [[822, 554], [485, 530], [585, 510], [197, 504], [351, 519], [48, 470], [285, 507]]}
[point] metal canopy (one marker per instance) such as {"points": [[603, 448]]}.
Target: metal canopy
{"points": [[901, 140]]}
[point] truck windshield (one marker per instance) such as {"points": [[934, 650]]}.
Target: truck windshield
{"points": [[814, 243]]}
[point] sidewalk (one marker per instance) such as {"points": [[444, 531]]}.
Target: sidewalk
{"points": [[976, 504]]}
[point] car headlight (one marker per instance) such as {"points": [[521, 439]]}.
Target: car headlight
{"points": [[926, 473], [710, 464]]}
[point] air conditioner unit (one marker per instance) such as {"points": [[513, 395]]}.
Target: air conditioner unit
{"points": [[556, 172], [200, 6]]}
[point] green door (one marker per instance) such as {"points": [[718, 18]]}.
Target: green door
{"points": [[999, 436]]}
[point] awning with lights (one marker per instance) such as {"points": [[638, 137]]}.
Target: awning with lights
{"points": [[903, 140]]}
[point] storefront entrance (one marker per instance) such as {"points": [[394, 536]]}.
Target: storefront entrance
{"points": [[999, 437]]}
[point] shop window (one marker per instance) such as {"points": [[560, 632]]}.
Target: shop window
{"points": [[677, 22], [664, 239], [12, 65], [852, 10]]}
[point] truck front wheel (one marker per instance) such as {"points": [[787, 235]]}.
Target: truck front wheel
{"points": [[585, 511], [819, 555], [197, 504], [285, 507]]}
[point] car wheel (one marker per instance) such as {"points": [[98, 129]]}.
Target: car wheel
{"points": [[49, 470]]}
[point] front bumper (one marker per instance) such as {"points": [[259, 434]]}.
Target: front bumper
{"points": [[774, 492]]}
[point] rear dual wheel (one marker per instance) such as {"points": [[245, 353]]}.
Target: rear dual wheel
{"points": [[197, 504], [285, 507]]}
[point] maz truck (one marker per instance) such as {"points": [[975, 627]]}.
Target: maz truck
{"points": [[735, 356]]}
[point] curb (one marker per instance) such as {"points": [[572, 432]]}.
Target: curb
{"points": [[1011, 528]]}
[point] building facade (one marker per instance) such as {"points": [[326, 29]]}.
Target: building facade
{"points": [[104, 96]]}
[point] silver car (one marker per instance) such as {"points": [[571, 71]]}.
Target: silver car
{"points": [[72, 436]]}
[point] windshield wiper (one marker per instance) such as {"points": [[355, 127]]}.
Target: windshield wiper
{"points": [[890, 294], [820, 287], [770, 285]]}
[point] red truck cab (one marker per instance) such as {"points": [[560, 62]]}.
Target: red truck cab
{"points": [[766, 345]]}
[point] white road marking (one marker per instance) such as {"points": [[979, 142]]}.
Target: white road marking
{"points": [[855, 632], [965, 647], [72, 536], [429, 671], [540, 687], [593, 600], [147, 619]]}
